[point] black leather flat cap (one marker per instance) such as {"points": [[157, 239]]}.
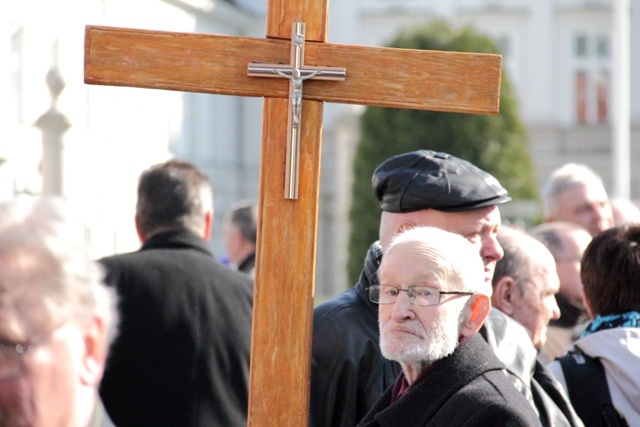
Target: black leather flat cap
{"points": [[425, 179]]}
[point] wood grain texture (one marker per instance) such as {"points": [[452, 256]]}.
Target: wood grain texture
{"points": [[281, 14], [285, 271], [403, 78], [283, 302]]}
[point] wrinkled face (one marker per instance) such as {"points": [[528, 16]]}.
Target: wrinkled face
{"points": [[478, 226], [41, 393], [587, 206], [537, 306], [412, 334]]}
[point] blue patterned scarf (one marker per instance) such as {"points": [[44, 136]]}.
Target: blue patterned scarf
{"points": [[630, 319]]}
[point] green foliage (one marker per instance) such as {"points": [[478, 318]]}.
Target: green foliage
{"points": [[495, 143]]}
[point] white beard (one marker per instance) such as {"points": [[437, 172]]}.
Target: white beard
{"points": [[420, 346]]}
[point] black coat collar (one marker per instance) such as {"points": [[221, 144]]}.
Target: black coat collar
{"points": [[176, 239]]}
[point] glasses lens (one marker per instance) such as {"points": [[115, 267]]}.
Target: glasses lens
{"points": [[383, 294], [418, 295], [423, 295]]}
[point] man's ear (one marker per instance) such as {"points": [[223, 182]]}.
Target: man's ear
{"points": [[142, 236], [404, 226], [587, 305], [478, 308], [208, 224], [503, 294], [94, 354]]}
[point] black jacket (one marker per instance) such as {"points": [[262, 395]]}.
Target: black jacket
{"points": [[348, 372], [182, 356], [512, 344], [467, 388]]}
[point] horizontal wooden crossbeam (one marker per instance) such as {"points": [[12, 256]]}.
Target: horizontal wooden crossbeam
{"points": [[404, 78]]}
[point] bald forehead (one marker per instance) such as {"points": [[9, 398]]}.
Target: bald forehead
{"points": [[574, 241], [436, 252], [425, 251], [573, 198], [578, 236]]}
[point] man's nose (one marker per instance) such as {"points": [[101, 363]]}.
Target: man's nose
{"points": [[555, 310], [403, 309], [491, 249]]}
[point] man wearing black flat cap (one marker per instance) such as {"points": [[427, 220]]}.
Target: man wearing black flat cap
{"points": [[419, 188]]}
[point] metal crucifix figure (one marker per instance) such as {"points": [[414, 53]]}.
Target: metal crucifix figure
{"points": [[296, 73]]}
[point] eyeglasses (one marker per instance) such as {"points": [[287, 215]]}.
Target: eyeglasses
{"points": [[12, 353], [418, 295]]}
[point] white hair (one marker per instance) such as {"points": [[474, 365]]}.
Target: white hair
{"points": [[563, 178], [458, 258], [44, 243]]}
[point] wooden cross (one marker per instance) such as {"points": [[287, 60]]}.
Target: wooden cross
{"points": [[286, 250]]}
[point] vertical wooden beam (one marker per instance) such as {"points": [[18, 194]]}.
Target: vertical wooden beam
{"points": [[286, 255], [282, 13], [286, 248]]}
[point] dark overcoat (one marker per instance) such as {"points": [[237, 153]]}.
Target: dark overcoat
{"points": [[348, 372], [468, 388], [182, 355]]}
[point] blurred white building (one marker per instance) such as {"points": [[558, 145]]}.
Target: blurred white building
{"points": [[559, 55]]}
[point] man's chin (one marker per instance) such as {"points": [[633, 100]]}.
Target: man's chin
{"points": [[403, 353]]}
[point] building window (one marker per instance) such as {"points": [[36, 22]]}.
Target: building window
{"points": [[581, 46], [602, 94], [591, 78], [581, 97], [602, 47]]}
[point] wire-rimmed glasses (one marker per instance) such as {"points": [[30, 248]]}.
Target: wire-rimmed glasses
{"points": [[418, 295]]}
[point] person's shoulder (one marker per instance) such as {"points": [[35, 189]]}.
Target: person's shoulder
{"points": [[475, 365], [120, 257], [213, 274], [233, 278], [132, 258], [347, 305], [501, 330], [510, 341], [508, 414], [194, 267], [479, 390], [344, 324], [495, 392], [115, 264]]}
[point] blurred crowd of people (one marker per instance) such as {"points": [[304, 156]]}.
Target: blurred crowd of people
{"points": [[456, 319]]}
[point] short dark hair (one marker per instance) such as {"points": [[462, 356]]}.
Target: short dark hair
{"points": [[610, 270], [173, 195], [516, 261], [244, 217]]}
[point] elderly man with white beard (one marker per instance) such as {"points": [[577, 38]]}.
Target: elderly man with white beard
{"points": [[433, 300]]}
